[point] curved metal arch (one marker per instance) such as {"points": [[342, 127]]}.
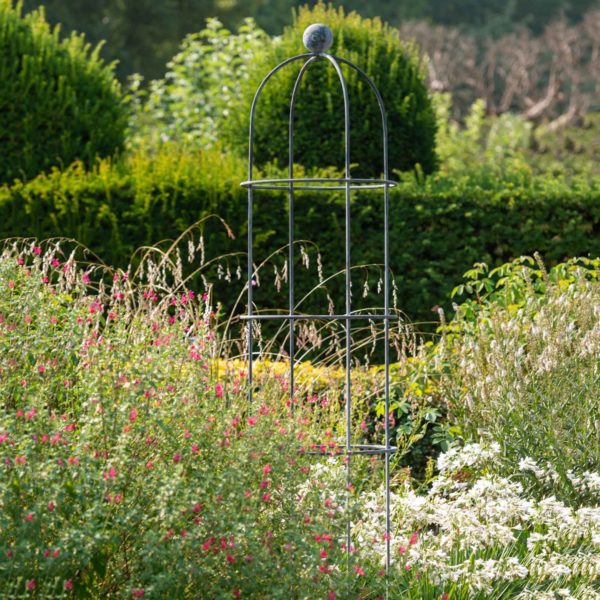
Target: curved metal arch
{"points": [[384, 126], [255, 100]]}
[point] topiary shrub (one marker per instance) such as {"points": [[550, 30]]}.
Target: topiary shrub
{"points": [[58, 100], [375, 47]]}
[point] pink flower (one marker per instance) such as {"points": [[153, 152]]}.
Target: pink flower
{"points": [[56, 553], [267, 469], [51, 506], [414, 538], [236, 592], [402, 549], [110, 474], [31, 584], [195, 448], [358, 570], [20, 459], [445, 596], [133, 415], [331, 596], [37, 250], [251, 421], [55, 262], [29, 516], [219, 390], [85, 278], [176, 457], [68, 584], [149, 465], [266, 497], [230, 559], [41, 368]]}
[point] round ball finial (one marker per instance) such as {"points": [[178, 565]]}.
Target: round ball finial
{"points": [[317, 38]]}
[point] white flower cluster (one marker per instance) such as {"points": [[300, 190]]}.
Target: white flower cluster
{"points": [[482, 533], [587, 483]]}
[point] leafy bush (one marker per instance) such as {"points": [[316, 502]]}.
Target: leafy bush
{"points": [[373, 46], [131, 462], [194, 97], [59, 100], [521, 368], [438, 228]]}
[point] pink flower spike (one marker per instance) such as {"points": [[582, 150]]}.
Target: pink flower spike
{"points": [[195, 448], [31, 584], [133, 415], [414, 538], [68, 584], [176, 457], [267, 469], [219, 390]]}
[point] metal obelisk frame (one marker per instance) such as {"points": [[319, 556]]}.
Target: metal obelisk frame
{"points": [[318, 38]]}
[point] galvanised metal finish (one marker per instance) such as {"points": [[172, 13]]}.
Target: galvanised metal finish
{"points": [[318, 39]]}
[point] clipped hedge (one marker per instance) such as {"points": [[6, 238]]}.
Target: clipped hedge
{"points": [[59, 101], [438, 230]]}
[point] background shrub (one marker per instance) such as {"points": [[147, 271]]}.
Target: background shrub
{"points": [[194, 96], [438, 229], [376, 48], [521, 368], [58, 101]]}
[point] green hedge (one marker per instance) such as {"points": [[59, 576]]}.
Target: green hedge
{"points": [[438, 230], [59, 101]]}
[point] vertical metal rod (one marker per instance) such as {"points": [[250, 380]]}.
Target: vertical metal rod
{"points": [[250, 272], [386, 286], [250, 282], [291, 282], [348, 291]]}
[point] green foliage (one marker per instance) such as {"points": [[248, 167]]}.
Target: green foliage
{"points": [[521, 367], [438, 228], [59, 100], [200, 84], [568, 150], [130, 460], [485, 148], [318, 138]]}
